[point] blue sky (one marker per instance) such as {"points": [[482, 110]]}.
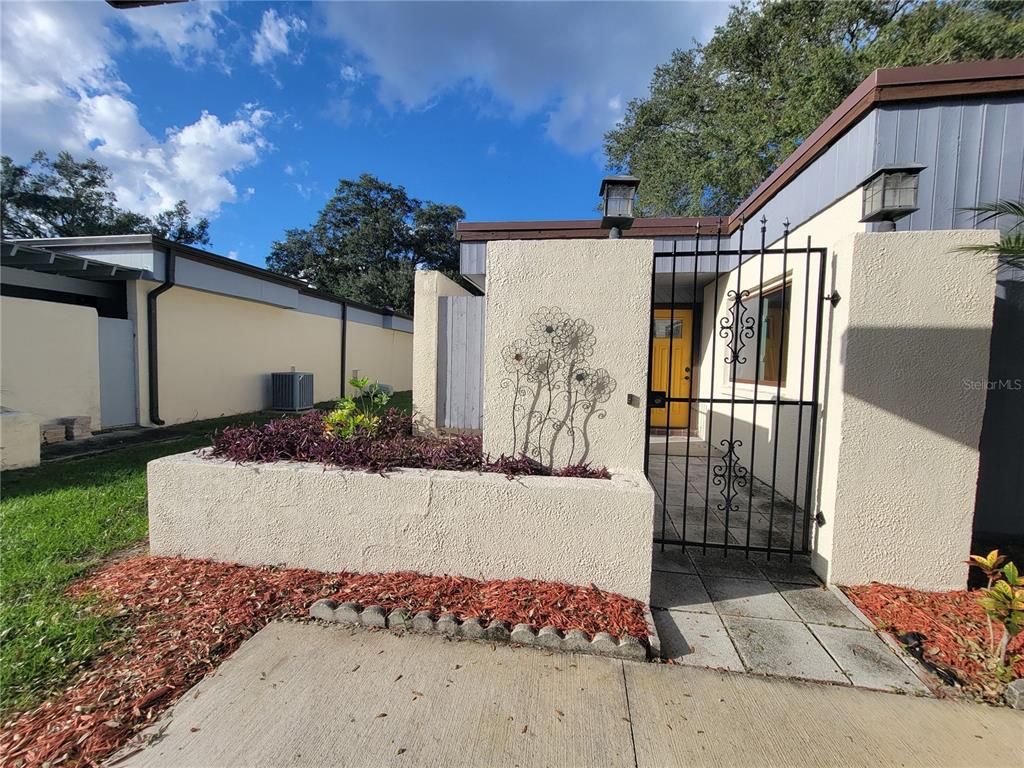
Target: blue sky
{"points": [[252, 111]]}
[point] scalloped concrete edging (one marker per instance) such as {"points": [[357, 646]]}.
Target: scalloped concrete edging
{"points": [[574, 641]]}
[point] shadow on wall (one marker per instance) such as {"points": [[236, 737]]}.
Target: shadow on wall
{"points": [[948, 361], [1000, 502]]}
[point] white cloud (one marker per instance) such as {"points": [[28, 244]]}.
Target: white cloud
{"points": [[232, 255], [76, 101], [350, 74], [187, 31], [272, 38], [567, 61]]}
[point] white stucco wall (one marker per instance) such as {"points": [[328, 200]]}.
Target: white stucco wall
{"points": [[901, 422], [19, 440], [433, 522], [50, 359], [430, 286], [606, 283]]}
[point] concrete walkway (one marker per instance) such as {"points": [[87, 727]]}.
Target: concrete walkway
{"points": [[768, 617], [319, 695]]}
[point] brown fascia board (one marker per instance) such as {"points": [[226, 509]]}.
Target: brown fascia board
{"points": [[972, 78]]}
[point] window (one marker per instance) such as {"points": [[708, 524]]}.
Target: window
{"points": [[665, 328], [772, 324]]}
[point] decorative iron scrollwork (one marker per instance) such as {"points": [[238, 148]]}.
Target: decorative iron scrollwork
{"points": [[738, 325], [729, 476], [555, 390]]}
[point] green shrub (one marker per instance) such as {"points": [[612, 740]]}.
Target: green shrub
{"points": [[353, 415]]}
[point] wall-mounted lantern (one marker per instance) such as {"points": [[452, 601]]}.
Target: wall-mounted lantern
{"points": [[618, 194], [890, 193]]}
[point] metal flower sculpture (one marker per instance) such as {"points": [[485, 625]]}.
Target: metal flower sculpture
{"points": [[555, 391]]}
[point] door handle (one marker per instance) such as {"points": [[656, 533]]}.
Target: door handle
{"points": [[656, 399]]}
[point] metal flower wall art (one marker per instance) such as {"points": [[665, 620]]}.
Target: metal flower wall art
{"points": [[555, 389]]}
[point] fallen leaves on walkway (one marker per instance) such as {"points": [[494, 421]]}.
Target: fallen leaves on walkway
{"points": [[954, 629], [186, 616]]}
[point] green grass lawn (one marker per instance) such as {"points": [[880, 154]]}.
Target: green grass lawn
{"points": [[57, 521]]}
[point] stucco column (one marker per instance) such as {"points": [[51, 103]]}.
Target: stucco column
{"points": [[906, 352], [592, 293], [430, 285]]}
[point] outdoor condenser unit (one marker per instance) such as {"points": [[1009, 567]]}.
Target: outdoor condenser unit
{"points": [[291, 391]]}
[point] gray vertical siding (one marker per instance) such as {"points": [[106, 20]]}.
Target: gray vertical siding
{"points": [[973, 150], [460, 362]]}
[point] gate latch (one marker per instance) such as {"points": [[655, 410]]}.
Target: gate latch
{"points": [[656, 399]]}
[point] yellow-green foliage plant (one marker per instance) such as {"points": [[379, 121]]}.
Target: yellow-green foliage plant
{"points": [[358, 414], [1003, 603]]}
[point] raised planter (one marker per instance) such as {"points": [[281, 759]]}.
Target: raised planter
{"points": [[482, 525]]}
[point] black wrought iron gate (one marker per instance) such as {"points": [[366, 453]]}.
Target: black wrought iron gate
{"points": [[733, 380]]}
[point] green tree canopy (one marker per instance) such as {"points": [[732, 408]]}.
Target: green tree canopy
{"points": [[368, 241], [721, 116], [67, 198]]}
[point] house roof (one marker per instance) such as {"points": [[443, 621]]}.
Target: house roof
{"points": [[45, 248], [1002, 76]]}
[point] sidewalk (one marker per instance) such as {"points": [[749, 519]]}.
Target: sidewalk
{"points": [[313, 694]]}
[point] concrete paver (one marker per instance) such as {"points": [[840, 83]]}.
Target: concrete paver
{"points": [[671, 560], [697, 639], [743, 597], [867, 660], [314, 694], [817, 605], [784, 648], [680, 590]]}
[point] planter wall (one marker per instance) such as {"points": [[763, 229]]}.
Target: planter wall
{"points": [[485, 526]]}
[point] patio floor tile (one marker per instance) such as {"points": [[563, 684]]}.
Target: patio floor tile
{"points": [[680, 591], [868, 661], [780, 569], [672, 559], [784, 648], [733, 565], [696, 639], [740, 597], [817, 605]]}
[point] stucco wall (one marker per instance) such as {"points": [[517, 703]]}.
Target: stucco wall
{"points": [[430, 285], [383, 355], [216, 353], [50, 365], [607, 284], [478, 525], [830, 225], [19, 440], [899, 457]]}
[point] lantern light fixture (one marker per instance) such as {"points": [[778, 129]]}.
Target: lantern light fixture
{"points": [[890, 193], [618, 195]]}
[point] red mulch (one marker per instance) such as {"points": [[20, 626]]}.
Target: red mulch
{"points": [[954, 626], [516, 601], [186, 616]]}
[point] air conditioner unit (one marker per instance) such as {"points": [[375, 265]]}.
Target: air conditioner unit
{"points": [[291, 391]]}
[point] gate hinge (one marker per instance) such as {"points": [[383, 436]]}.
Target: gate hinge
{"points": [[819, 519], [833, 298]]}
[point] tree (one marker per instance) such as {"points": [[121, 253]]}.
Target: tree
{"points": [[720, 117], [368, 241], [67, 198]]}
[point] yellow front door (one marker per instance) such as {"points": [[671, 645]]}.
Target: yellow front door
{"points": [[673, 338]]}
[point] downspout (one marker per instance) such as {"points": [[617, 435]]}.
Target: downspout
{"points": [[344, 343], [151, 332]]}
